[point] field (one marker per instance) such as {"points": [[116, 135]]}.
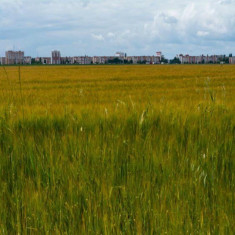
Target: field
{"points": [[117, 149]]}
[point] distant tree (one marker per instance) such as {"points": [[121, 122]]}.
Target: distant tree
{"points": [[163, 59], [67, 60], [175, 61], [142, 62], [33, 61], [115, 61], [225, 60], [127, 62]]}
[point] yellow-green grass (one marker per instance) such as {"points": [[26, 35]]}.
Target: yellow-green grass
{"points": [[117, 149]]}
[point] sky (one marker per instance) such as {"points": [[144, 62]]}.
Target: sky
{"points": [[103, 27]]}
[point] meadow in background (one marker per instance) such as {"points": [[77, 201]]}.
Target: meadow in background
{"points": [[117, 149]]}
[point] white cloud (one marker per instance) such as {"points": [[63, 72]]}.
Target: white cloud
{"points": [[225, 2], [98, 37], [202, 33], [136, 26], [110, 35]]}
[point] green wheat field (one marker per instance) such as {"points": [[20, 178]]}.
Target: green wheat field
{"points": [[139, 149]]}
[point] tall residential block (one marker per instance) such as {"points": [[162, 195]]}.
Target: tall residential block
{"points": [[14, 57], [232, 60], [56, 57], [159, 55]]}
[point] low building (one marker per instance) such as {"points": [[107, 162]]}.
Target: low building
{"points": [[76, 60], [46, 60], [99, 59], [27, 60], [43, 60], [82, 60], [67, 60], [3, 61], [144, 59]]}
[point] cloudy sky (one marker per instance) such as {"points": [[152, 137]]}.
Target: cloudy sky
{"points": [[102, 27]]}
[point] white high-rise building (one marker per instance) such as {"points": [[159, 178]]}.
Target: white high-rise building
{"points": [[159, 54]]}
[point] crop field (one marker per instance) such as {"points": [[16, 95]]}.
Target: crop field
{"points": [[138, 149]]}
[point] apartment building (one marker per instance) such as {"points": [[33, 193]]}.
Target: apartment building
{"points": [[3, 61], [56, 57], [187, 59], [144, 59], [159, 54], [27, 60], [67, 60], [156, 59], [14, 57], [98, 60], [76, 59], [43, 60], [46, 60], [232, 60], [82, 60]]}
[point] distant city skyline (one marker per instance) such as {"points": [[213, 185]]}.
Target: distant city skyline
{"points": [[101, 27], [18, 57]]}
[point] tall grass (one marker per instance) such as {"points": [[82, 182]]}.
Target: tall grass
{"points": [[123, 167]]}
